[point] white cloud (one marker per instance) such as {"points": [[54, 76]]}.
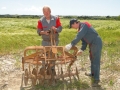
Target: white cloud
{"points": [[3, 7], [32, 9], [29, 10]]}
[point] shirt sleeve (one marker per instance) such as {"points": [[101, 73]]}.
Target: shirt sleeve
{"points": [[58, 25], [80, 35], [84, 45], [39, 27]]}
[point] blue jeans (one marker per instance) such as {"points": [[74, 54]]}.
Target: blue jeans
{"points": [[95, 56]]}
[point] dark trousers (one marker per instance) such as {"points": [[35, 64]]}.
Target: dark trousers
{"points": [[95, 56]]}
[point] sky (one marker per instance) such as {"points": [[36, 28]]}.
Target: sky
{"points": [[61, 7]]}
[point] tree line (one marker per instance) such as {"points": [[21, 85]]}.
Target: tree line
{"points": [[68, 17]]}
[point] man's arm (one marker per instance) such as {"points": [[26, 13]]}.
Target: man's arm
{"points": [[84, 45], [40, 29], [58, 25], [80, 35]]}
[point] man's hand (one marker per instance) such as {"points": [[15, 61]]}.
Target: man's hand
{"points": [[79, 52], [46, 32], [54, 28], [68, 47]]}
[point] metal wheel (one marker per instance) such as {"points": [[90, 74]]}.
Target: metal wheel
{"points": [[41, 76], [34, 76]]}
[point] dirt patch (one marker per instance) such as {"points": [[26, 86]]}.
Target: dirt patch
{"points": [[11, 74]]}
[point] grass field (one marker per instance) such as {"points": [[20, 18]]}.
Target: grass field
{"points": [[17, 34]]}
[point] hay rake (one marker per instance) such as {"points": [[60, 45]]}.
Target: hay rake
{"points": [[38, 63]]}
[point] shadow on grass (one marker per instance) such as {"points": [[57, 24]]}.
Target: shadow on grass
{"points": [[75, 84], [64, 85]]}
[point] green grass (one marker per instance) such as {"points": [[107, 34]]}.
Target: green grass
{"points": [[61, 85], [16, 34]]}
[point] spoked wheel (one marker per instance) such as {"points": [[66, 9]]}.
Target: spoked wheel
{"points": [[26, 77]]}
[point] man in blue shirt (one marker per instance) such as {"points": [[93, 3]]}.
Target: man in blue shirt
{"points": [[88, 36]]}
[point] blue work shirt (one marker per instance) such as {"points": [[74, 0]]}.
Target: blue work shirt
{"points": [[86, 34]]}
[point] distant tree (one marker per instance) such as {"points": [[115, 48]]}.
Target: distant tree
{"points": [[108, 17], [118, 17]]}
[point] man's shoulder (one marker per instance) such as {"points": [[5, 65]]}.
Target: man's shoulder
{"points": [[54, 16], [42, 18], [85, 24]]}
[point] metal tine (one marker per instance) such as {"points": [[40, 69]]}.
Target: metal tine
{"points": [[69, 73], [62, 74]]}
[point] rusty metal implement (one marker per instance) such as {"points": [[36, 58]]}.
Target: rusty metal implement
{"points": [[38, 63]]}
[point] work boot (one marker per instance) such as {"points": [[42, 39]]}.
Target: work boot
{"points": [[89, 74], [95, 83]]}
